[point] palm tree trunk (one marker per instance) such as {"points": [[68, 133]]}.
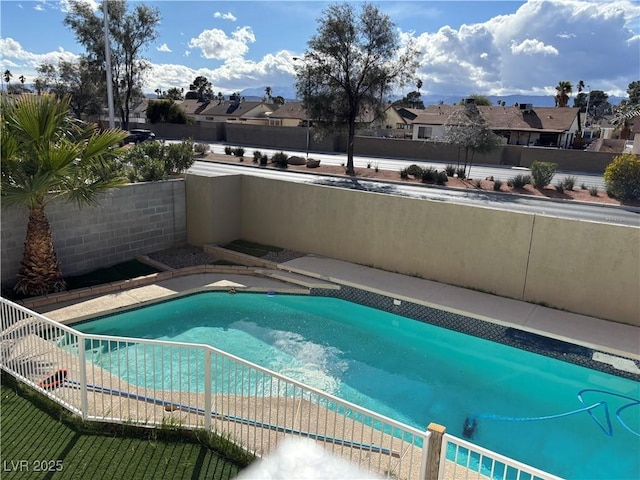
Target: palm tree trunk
{"points": [[39, 272]]}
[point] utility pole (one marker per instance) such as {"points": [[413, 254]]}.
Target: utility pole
{"points": [[107, 56], [586, 113]]}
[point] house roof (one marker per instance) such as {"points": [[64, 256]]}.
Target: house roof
{"points": [[293, 110], [549, 119], [233, 109], [193, 107]]}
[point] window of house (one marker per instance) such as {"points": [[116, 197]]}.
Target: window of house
{"points": [[425, 132]]}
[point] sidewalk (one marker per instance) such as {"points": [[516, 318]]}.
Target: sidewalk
{"points": [[602, 335]]}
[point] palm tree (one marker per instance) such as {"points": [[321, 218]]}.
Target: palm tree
{"points": [[47, 155], [267, 92], [7, 76], [563, 90]]}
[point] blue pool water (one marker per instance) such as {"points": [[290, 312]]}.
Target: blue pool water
{"points": [[413, 372]]}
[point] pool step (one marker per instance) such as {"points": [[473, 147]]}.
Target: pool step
{"points": [[297, 279]]}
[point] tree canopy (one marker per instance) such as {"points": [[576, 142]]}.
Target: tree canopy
{"points": [[563, 91], [48, 155], [130, 32], [411, 100], [350, 66]]}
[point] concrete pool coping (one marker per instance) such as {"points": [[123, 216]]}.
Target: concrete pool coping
{"points": [[313, 271]]}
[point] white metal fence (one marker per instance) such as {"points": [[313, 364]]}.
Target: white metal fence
{"points": [[148, 382]]}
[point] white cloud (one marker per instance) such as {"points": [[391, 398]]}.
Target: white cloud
{"points": [[64, 5], [25, 63], [164, 48], [225, 16], [532, 47], [215, 44]]}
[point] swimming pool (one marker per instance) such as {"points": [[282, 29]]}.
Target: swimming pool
{"points": [[413, 372]]}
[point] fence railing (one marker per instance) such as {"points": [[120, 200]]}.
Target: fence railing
{"points": [[149, 382]]}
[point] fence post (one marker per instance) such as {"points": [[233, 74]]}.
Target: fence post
{"points": [[84, 400], [435, 448], [207, 390]]}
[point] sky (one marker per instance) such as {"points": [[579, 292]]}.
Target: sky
{"points": [[465, 47]]}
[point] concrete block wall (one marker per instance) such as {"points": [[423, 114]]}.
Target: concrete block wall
{"points": [[132, 220]]}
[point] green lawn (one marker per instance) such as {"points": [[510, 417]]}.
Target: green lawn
{"points": [[32, 439]]}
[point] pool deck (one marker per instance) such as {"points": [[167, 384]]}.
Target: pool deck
{"points": [[315, 271]]}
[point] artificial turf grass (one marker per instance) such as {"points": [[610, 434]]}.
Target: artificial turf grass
{"points": [[35, 431]]}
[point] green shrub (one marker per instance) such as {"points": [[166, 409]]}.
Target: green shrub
{"points": [[178, 157], [228, 150], [404, 173], [497, 184], [542, 173], [442, 178], [519, 181], [257, 155], [280, 159], [569, 182], [583, 186], [560, 186], [593, 191], [429, 175], [461, 173], [415, 170], [622, 177], [264, 159], [450, 170]]}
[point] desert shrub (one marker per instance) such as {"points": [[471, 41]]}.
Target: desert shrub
{"points": [[519, 181], [593, 191], [296, 160], [442, 178], [280, 159], [429, 175], [404, 173], [560, 186], [450, 170], [201, 148], [622, 177], [178, 157], [228, 150], [239, 152], [497, 184], [257, 155], [415, 170], [569, 182], [152, 161], [264, 159], [461, 173], [583, 186], [542, 173]]}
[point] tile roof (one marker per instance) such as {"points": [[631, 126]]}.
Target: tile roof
{"points": [[227, 108], [291, 110], [549, 119]]}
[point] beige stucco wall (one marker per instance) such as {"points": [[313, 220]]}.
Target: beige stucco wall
{"points": [[583, 267], [586, 267], [213, 209]]}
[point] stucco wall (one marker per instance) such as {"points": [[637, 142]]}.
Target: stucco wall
{"points": [[129, 221], [213, 209], [582, 267]]}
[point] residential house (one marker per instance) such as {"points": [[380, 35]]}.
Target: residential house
{"points": [[250, 113], [518, 125], [193, 109], [291, 114]]}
